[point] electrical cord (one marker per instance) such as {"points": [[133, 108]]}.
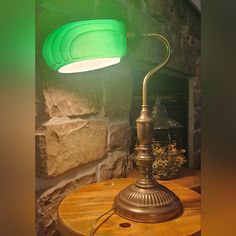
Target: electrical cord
{"points": [[95, 222]]}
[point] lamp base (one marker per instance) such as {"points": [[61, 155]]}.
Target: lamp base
{"points": [[156, 204], [146, 200]]}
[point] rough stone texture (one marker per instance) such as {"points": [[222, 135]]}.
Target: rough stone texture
{"points": [[76, 95], [159, 10], [175, 20], [66, 144], [41, 116], [73, 96], [43, 184], [113, 166], [48, 202], [197, 118], [117, 91], [119, 136], [197, 82], [197, 160], [197, 97], [197, 141]]}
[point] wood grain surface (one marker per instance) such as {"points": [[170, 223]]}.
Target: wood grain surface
{"points": [[79, 210]]}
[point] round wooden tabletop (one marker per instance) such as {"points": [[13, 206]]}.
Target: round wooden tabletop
{"points": [[79, 210]]}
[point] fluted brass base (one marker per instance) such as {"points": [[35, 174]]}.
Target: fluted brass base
{"points": [[155, 204]]}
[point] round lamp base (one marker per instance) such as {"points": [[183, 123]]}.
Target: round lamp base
{"points": [[156, 204]]}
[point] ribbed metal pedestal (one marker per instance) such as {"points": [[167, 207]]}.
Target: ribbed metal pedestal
{"points": [[156, 204]]}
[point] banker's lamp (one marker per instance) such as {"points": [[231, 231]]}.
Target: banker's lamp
{"points": [[94, 44]]}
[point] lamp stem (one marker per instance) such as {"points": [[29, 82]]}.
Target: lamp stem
{"points": [[159, 66], [146, 200]]}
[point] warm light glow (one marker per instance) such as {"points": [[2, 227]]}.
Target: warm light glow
{"points": [[88, 65]]}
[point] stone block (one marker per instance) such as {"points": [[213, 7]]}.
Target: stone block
{"points": [[68, 143], [117, 91], [197, 118], [197, 97], [177, 22], [119, 136], [155, 7], [197, 80], [73, 95], [169, 12], [48, 203], [194, 23], [197, 141], [113, 166], [41, 116]]}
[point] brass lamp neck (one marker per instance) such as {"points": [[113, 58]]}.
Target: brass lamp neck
{"points": [[152, 71]]}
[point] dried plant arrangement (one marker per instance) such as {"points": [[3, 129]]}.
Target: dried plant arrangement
{"points": [[169, 160]]}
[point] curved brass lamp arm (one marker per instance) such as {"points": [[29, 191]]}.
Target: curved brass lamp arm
{"points": [[152, 71]]}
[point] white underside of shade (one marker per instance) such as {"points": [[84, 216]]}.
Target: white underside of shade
{"points": [[88, 65]]}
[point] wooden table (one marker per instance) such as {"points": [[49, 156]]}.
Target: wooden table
{"points": [[190, 178], [79, 209]]}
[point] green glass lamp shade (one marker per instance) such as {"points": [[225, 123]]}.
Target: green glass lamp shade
{"points": [[85, 45]]}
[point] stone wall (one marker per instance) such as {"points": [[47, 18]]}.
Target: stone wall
{"points": [[174, 19], [82, 120], [197, 119], [85, 137]]}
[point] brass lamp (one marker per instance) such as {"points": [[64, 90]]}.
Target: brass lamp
{"points": [[94, 44]]}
